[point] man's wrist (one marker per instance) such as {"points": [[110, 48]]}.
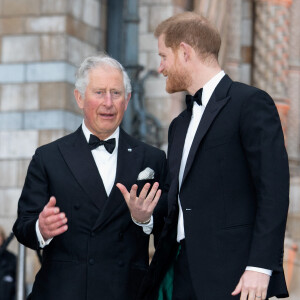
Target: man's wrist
{"points": [[139, 222]]}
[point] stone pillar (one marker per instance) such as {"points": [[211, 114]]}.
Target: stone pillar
{"points": [[41, 43], [271, 42]]}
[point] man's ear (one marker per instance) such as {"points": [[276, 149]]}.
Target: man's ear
{"points": [[186, 50], [78, 98], [127, 100]]}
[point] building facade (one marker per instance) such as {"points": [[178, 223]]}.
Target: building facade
{"points": [[43, 41]]}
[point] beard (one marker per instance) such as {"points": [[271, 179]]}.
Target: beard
{"points": [[177, 80]]}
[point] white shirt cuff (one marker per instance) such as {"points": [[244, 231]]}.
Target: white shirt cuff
{"points": [[260, 270], [40, 238], [147, 228]]}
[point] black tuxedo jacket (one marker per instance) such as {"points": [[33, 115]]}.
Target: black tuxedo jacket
{"points": [[234, 194], [103, 254]]}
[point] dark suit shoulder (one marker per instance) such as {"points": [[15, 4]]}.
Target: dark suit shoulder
{"points": [[244, 89]]}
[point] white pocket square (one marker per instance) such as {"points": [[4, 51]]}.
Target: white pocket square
{"points": [[148, 173]]}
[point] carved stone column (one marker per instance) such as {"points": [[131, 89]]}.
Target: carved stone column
{"points": [[271, 44]]}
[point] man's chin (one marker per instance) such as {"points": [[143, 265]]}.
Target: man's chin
{"points": [[172, 90]]}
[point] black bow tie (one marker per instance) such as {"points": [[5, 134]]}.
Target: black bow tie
{"points": [[95, 142], [190, 99]]}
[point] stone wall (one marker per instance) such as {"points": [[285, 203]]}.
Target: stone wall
{"points": [[41, 43]]}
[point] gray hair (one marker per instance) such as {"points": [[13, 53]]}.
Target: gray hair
{"points": [[92, 62]]}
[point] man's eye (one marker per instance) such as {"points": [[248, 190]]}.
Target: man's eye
{"points": [[99, 92]]}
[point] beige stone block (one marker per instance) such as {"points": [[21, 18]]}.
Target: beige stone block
{"points": [[20, 7], [53, 6], [155, 87], [48, 136], [9, 201], [55, 24], [58, 95], [103, 15], [85, 33], [155, 2], [8, 173], [53, 95], [144, 19], [293, 225], [16, 97], [53, 47], [71, 102], [153, 60], [294, 195], [20, 49], [22, 171], [166, 108], [91, 13], [158, 14], [147, 42], [78, 50], [7, 223], [18, 144], [75, 8], [12, 173], [11, 26]]}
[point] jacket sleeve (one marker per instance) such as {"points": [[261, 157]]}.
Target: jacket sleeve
{"points": [[34, 197], [263, 143]]}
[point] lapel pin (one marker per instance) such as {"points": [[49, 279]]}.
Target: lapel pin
{"points": [[129, 150]]}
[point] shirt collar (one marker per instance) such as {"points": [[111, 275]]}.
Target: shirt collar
{"points": [[115, 135], [210, 86]]}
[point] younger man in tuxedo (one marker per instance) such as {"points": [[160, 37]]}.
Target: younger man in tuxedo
{"points": [[229, 188], [70, 205]]}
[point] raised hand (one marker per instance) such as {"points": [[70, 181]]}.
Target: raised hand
{"points": [[51, 221], [141, 207]]}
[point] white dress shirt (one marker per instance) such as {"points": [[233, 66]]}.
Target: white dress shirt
{"points": [[107, 166], [197, 113]]}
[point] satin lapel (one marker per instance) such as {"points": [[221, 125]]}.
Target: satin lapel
{"points": [[79, 158], [217, 101], [128, 167]]}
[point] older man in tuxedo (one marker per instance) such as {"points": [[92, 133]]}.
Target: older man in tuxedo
{"points": [[229, 188], [70, 205]]}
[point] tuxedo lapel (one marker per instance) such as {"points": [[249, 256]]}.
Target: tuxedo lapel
{"points": [[128, 167], [79, 159], [217, 101]]}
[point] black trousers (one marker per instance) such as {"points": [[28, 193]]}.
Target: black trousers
{"points": [[182, 287]]}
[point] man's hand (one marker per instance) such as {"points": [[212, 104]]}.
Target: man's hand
{"points": [[141, 208], [253, 285], [51, 221]]}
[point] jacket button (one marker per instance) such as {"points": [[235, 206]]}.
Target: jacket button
{"points": [[121, 235], [92, 234], [121, 263], [76, 206], [91, 261]]}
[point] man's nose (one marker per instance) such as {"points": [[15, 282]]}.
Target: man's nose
{"points": [[160, 68], [108, 99]]}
